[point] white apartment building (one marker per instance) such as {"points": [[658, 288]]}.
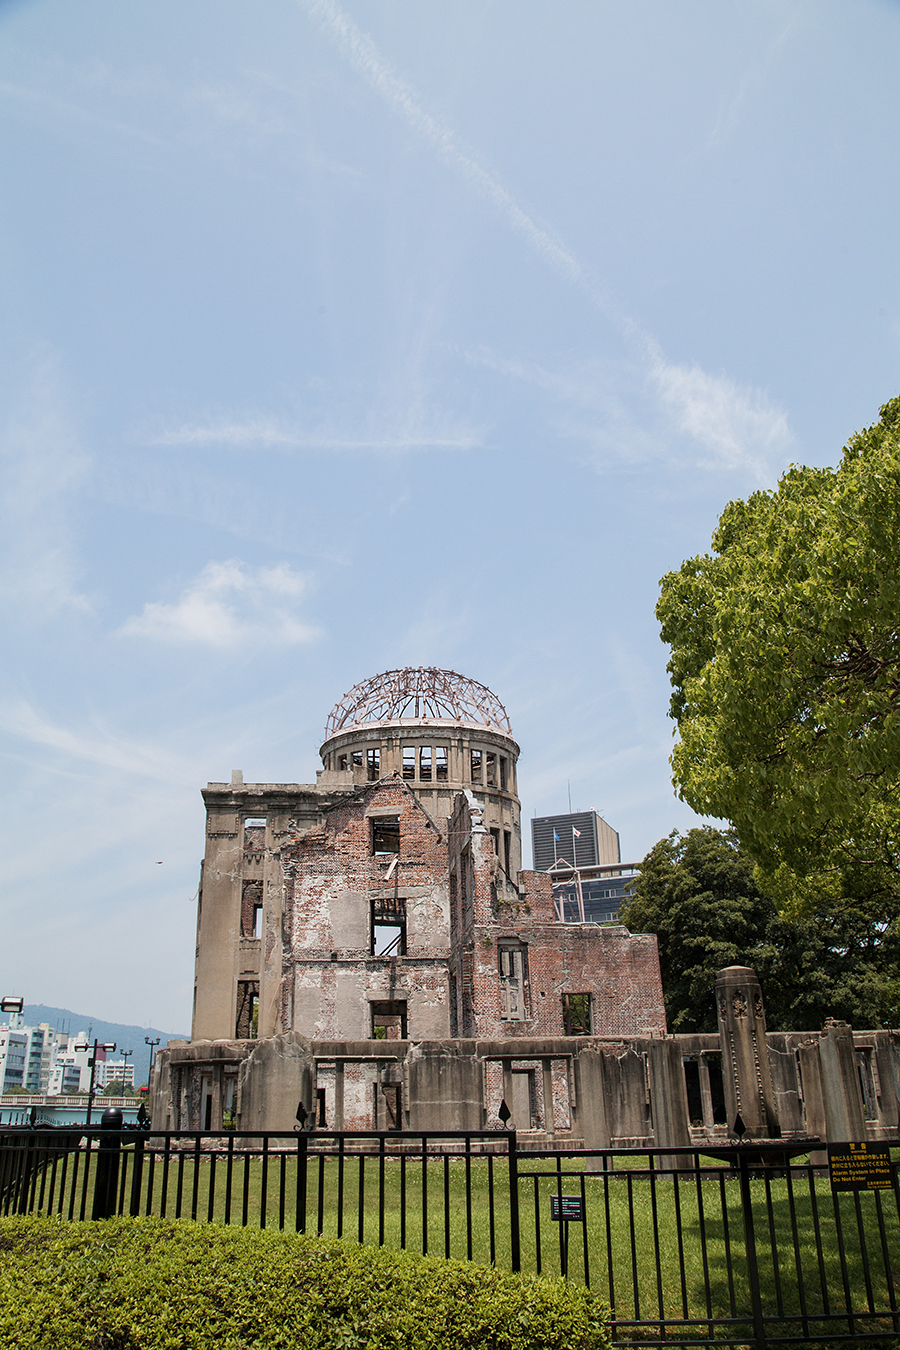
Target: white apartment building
{"points": [[26, 1055]]}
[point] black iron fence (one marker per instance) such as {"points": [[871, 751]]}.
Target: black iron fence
{"points": [[736, 1245]]}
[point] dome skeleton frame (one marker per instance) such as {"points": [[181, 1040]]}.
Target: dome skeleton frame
{"points": [[420, 693]]}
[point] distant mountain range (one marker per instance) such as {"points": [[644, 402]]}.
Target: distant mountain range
{"points": [[126, 1037]]}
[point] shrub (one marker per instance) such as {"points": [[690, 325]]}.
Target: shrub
{"points": [[157, 1284]]}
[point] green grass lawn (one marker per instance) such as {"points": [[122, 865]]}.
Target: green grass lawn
{"points": [[654, 1246]]}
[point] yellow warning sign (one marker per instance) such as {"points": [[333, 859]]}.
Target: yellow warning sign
{"points": [[860, 1167]]}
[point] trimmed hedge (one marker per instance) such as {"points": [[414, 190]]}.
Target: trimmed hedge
{"points": [[156, 1284]]}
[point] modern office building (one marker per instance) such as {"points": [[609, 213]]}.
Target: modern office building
{"points": [[581, 853], [581, 839]]}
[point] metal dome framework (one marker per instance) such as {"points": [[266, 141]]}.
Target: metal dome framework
{"points": [[421, 693]]}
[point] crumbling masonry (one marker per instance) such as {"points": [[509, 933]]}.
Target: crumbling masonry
{"points": [[370, 946]]}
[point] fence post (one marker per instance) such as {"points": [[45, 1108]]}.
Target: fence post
{"points": [[514, 1248], [759, 1330], [106, 1181], [26, 1166], [137, 1176], [300, 1220]]}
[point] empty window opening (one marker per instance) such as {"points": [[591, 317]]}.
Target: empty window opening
{"points": [[491, 769], [692, 1085], [356, 759], [320, 1109], [512, 962], [385, 834], [475, 760], [389, 1020], [389, 926], [342, 761], [425, 764], [440, 763], [495, 836], [373, 765], [576, 1014], [713, 1062], [246, 1024], [504, 772], [507, 852], [251, 909], [409, 762], [255, 833]]}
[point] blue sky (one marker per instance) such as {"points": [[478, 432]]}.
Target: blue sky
{"points": [[338, 337]]}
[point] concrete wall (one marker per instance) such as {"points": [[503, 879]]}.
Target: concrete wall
{"points": [[584, 1091]]}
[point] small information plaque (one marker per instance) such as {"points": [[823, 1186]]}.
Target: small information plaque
{"points": [[860, 1167], [567, 1207]]}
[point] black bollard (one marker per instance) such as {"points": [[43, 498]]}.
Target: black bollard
{"points": [[106, 1181]]}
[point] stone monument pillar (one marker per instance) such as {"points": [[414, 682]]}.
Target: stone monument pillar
{"points": [[745, 1057]]}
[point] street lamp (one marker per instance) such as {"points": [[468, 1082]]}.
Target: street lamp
{"points": [[152, 1045], [107, 1047], [126, 1055]]}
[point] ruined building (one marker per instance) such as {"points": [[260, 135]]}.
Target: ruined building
{"points": [[368, 945]]}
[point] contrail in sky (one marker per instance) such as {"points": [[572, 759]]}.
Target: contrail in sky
{"points": [[365, 57], [738, 424]]}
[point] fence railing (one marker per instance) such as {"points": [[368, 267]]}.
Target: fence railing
{"points": [[739, 1246]]}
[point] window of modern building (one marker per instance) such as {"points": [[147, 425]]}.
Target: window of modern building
{"points": [[576, 1014], [385, 834]]}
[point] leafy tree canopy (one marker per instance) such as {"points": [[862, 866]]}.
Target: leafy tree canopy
{"points": [[698, 894], [785, 662]]}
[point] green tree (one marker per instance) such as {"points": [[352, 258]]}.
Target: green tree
{"points": [[785, 662], [698, 894]]}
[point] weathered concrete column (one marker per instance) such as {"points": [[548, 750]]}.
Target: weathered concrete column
{"points": [[742, 1028], [590, 1083], [276, 1075], [841, 1097], [668, 1097], [445, 1086]]}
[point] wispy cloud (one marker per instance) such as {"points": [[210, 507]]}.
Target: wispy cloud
{"points": [[227, 605], [141, 759], [41, 463], [739, 426], [269, 431]]}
